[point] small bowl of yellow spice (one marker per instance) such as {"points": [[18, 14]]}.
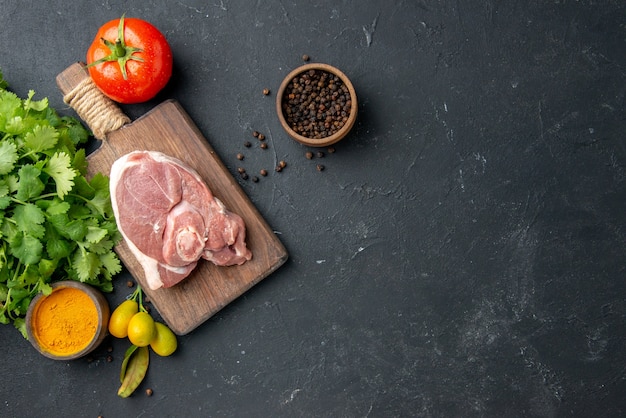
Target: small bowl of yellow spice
{"points": [[68, 323]]}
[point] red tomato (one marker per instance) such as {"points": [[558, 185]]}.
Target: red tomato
{"points": [[129, 60]]}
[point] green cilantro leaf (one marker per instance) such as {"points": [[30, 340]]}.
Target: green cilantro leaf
{"points": [[101, 202], [80, 162], [26, 248], [59, 168], [57, 207], [29, 184], [4, 188], [15, 125], [8, 157], [111, 264], [86, 264], [43, 137], [28, 219], [10, 105], [47, 267], [95, 235], [58, 247], [38, 105], [75, 230]]}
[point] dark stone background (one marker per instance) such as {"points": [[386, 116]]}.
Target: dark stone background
{"points": [[461, 255]]}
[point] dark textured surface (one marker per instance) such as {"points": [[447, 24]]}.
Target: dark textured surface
{"points": [[462, 254]]}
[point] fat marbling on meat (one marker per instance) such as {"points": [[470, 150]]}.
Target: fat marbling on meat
{"points": [[170, 219]]}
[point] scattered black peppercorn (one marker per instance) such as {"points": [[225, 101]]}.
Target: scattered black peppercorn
{"points": [[278, 169], [309, 155], [241, 170], [149, 392], [320, 167], [247, 144], [263, 145], [261, 137], [282, 164], [130, 283], [240, 156], [266, 92], [255, 134], [305, 57], [109, 359], [255, 179], [263, 172], [331, 150], [244, 175], [320, 154]]}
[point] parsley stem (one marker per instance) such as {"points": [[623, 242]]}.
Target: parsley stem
{"points": [[30, 155], [19, 202]]}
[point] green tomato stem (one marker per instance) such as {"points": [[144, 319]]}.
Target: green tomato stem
{"points": [[120, 52]]}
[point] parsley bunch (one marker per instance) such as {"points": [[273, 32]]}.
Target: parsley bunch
{"points": [[55, 224]]}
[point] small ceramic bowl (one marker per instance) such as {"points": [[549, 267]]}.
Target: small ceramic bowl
{"points": [[69, 307], [283, 92]]}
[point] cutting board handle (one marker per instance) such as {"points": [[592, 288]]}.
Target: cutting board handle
{"points": [[100, 113]]}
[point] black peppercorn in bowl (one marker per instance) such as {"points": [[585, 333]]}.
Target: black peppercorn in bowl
{"points": [[316, 104]]}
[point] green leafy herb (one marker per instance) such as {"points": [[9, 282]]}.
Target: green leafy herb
{"points": [[55, 224]]}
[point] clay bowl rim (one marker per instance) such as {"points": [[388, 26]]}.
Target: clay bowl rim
{"points": [[102, 308], [337, 136]]}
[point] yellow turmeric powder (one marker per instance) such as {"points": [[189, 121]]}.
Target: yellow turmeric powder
{"points": [[65, 322]]}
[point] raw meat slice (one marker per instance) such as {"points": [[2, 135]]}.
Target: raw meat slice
{"points": [[170, 219]]}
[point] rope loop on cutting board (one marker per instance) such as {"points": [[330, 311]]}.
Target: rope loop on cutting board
{"points": [[99, 112]]}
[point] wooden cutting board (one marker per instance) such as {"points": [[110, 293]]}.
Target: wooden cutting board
{"points": [[167, 128]]}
